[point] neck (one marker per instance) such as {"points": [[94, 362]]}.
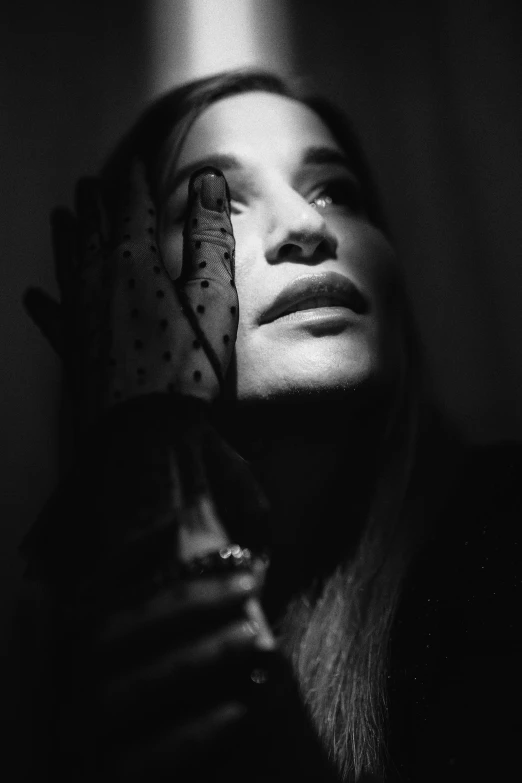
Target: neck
{"points": [[314, 461]]}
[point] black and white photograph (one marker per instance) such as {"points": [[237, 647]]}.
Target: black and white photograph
{"points": [[261, 391]]}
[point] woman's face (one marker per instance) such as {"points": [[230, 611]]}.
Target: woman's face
{"points": [[313, 275]]}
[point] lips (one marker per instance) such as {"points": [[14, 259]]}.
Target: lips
{"points": [[328, 289]]}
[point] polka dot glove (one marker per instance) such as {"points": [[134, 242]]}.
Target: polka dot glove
{"points": [[133, 323], [174, 325], [146, 343]]}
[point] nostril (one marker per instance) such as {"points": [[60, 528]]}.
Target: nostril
{"points": [[286, 250]]}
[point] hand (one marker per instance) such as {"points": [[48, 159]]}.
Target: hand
{"points": [[131, 323], [151, 494], [136, 344], [174, 689], [176, 696]]}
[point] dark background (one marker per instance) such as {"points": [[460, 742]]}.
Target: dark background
{"points": [[435, 92]]}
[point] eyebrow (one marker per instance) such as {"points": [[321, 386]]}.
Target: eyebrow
{"points": [[320, 155], [312, 156]]}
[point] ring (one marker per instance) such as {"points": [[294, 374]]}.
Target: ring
{"points": [[226, 559], [259, 676]]}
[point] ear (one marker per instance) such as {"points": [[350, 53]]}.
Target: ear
{"points": [[46, 313]]}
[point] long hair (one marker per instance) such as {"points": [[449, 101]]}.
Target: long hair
{"points": [[338, 638], [338, 634]]}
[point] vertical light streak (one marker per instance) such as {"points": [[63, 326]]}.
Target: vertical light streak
{"points": [[193, 38]]}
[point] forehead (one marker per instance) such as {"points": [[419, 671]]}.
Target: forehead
{"points": [[258, 126]]}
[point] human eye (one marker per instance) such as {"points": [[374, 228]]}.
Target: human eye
{"points": [[342, 193]]}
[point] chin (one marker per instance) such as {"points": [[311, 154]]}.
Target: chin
{"points": [[306, 374]]}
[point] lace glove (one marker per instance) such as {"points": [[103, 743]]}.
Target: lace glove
{"points": [[146, 343], [130, 323]]}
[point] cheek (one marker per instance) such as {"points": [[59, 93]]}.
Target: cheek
{"points": [[370, 260], [379, 274]]}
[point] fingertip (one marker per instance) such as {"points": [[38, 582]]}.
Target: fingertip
{"points": [[244, 583], [208, 187]]}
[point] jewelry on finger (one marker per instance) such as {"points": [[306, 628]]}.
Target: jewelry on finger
{"points": [[224, 560], [321, 202], [259, 676]]}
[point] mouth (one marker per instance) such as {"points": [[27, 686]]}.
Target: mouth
{"points": [[315, 292]]}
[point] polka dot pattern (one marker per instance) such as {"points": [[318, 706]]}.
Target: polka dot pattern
{"points": [[173, 328], [148, 324]]}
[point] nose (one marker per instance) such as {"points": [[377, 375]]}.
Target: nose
{"points": [[297, 231]]}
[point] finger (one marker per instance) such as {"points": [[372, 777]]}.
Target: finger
{"points": [[145, 308], [208, 221], [176, 748], [265, 638], [206, 286], [135, 220], [185, 679], [46, 313], [154, 346], [89, 209], [183, 611], [156, 341]]}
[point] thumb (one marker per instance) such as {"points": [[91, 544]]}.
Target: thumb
{"points": [[46, 313]]}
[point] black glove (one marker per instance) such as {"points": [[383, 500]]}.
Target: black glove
{"points": [[146, 344]]}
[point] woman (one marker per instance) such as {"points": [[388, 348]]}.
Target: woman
{"points": [[318, 395]]}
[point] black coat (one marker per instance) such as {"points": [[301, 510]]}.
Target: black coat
{"points": [[455, 681]]}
